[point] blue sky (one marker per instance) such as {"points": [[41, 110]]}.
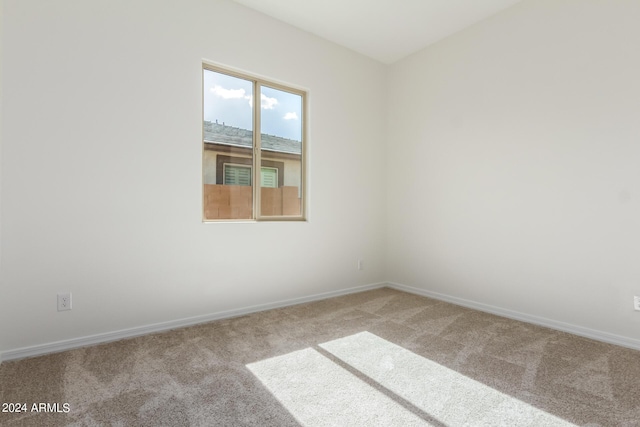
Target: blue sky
{"points": [[229, 100]]}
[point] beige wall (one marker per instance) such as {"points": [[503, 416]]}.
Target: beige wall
{"points": [[514, 167], [511, 166], [1, 138], [102, 167]]}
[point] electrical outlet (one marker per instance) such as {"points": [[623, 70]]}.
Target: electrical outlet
{"points": [[360, 264], [64, 301], [636, 303]]}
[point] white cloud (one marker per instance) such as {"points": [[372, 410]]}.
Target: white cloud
{"points": [[228, 93], [291, 116], [268, 103]]}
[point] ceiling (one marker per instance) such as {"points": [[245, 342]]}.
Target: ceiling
{"points": [[385, 30]]}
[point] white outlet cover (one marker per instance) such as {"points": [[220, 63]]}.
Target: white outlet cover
{"points": [[636, 303], [64, 301]]}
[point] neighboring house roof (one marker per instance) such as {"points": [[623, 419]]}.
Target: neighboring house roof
{"points": [[215, 133]]}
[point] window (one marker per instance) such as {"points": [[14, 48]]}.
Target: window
{"points": [[237, 174], [232, 150], [269, 177]]}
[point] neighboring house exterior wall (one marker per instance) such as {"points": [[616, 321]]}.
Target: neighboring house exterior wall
{"points": [[292, 172]]}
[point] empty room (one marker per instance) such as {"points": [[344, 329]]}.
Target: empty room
{"points": [[444, 229]]}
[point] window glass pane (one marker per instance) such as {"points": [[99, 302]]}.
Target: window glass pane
{"points": [[281, 149], [228, 146]]}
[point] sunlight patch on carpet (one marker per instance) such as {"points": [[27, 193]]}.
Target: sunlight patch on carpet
{"points": [[317, 392], [444, 394]]}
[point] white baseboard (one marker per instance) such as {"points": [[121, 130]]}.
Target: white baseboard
{"points": [[536, 320], [64, 345], [54, 347]]}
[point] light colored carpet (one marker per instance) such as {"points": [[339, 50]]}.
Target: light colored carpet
{"points": [[318, 392], [450, 397], [201, 375]]}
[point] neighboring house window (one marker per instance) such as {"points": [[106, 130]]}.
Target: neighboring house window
{"points": [[269, 177], [232, 150], [241, 175], [237, 174]]}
